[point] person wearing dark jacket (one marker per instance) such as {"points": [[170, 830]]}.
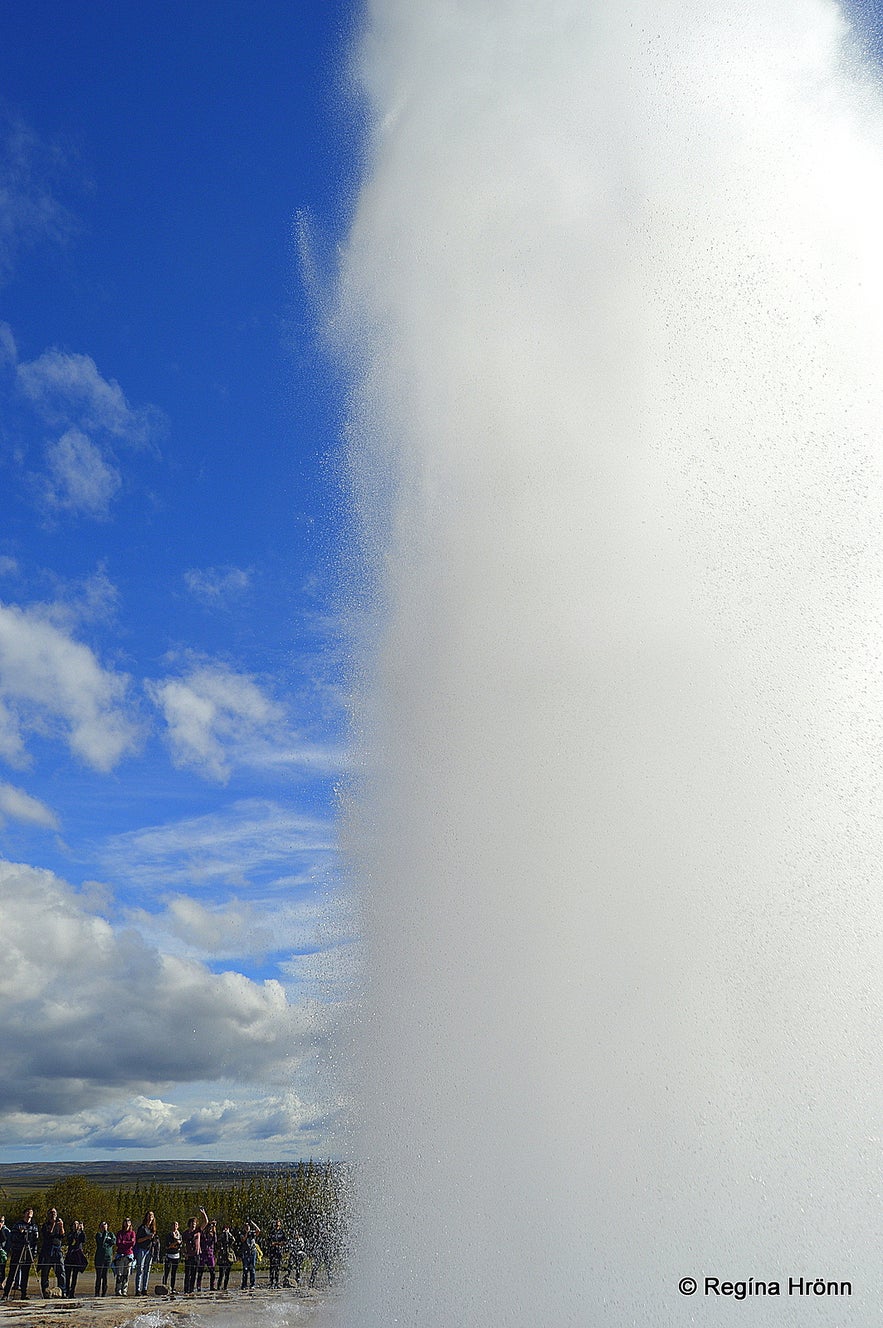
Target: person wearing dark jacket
{"points": [[145, 1239], [52, 1253], [227, 1254], [174, 1246], [248, 1253], [23, 1237], [105, 1247], [208, 1255], [75, 1259], [277, 1242], [192, 1240]]}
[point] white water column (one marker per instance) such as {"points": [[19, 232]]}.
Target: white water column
{"points": [[613, 301]]}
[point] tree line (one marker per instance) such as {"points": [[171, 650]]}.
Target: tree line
{"points": [[310, 1198]]}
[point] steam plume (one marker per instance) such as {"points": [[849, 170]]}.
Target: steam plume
{"points": [[615, 293]]}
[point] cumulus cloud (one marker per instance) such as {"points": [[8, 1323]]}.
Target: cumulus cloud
{"points": [[216, 585], [232, 1123], [145, 1122], [20, 806], [218, 719], [51, 683], [279, 1117], [68, 389], [215, 718], [249, 840], [79, 479], [90, 1010], [221, 929]]}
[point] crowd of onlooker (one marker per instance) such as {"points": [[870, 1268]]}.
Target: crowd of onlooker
{"points": [[205, 1250]]}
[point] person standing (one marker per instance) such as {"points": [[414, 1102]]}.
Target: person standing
{"points": [[192, 1247], [23, 1237], [4, 1246], [296, 1256], [207, 1250], [174, 1246], [226, 1254], [52, 1253], [276, 1243], [144, 1238], [75, 1259], [122, 1264], [248, 1251], [105, 1245]]}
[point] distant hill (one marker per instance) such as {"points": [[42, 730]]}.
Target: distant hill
{"points": [[17, 1177]]}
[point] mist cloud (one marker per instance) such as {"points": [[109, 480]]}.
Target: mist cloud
{"points": [[611, 301]]}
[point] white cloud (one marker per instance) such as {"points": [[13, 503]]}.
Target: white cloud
{"points": [[91, 1011], [20, 806], [12, 748], [250, 839], [92, 415], [216, 585], [219, 929], [287, 919], [215, 718], [68, 389], [79, 479], [51, 683], [277, 1118], [145, 1122], [232, 1124]]}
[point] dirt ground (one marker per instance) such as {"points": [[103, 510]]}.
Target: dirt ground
{"points": [[112, 1311]]}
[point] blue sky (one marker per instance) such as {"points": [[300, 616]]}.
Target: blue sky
{"points": [[173, 547]]}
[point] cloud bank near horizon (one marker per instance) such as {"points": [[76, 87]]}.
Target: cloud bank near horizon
{"points": [[99, 1025]]}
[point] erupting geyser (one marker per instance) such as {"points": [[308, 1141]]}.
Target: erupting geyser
{"points": [[614, 293]]}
